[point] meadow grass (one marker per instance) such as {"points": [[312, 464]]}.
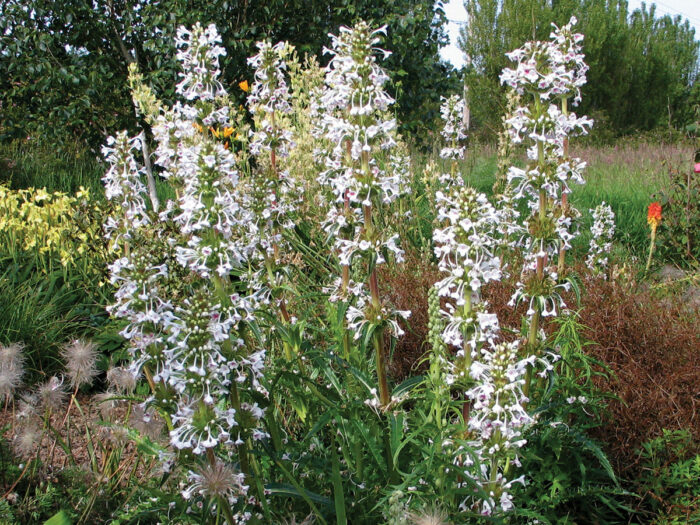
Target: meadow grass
{"points": [[628, 176]]}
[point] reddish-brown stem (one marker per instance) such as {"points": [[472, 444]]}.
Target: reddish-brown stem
{"points": [[283, 310]]}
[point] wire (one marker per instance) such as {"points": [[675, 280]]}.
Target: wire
{"points": [[677, 12]]}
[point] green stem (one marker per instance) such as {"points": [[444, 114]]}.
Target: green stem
{"points": [[378, 339], [651, 248]]}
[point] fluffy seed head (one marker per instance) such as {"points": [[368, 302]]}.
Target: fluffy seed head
{"points": [[27, 440], [121, 379], [80, 357], [217, 481], [107, 404], [433, 517], [51, 395], [10, 379], [11, 355]]}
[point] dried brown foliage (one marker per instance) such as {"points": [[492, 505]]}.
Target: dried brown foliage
{"points": [[406, 287], [651, 345], [653, 348]]}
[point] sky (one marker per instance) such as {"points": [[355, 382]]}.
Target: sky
{"points": [[454, 9]]}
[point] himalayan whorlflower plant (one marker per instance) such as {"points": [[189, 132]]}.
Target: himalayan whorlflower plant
{"points": [[359, 127], [602, 232], [452, 113], [567, 52], [273, 190], [545, 73], [491, 373], [186, 337], [497, 419]]}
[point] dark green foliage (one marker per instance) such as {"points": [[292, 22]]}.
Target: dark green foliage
{"points": [[570, 479], [26, 164], [65, 63], [44, 310], [643, 69], [669, 480]]}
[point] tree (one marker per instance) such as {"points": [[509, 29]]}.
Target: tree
{"points": [[66, 62], [642, 68]]}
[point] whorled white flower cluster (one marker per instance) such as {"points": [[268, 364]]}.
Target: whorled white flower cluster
{"points": [[602, 231], [139, 274], [124, 187], [209, 211], [191, 346], [356, 122], [465, 249], [452, 113], [498, 417], [275, 193], [199, 52], [269, 99], [549, 69], [546, 73]]}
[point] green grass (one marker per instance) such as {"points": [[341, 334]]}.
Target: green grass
{"points": [[24, 164]]}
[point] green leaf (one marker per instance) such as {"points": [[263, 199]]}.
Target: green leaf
{"points": [[283, 489], [60, 518], [408, 385], [338, 496]]}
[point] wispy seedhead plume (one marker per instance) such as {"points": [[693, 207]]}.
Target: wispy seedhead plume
{"points": [[10, 379], [26, 440], [431, 517], [217, 480], [11, 369], [50, 395], [11, 355], [107, 404], [80, 360], [121, 379]]}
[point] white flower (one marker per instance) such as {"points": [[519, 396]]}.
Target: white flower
{"points": [[602, 231]]}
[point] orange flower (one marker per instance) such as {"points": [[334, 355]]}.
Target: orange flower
{"points": [[244, 86], [198, 127], [654, 215], [228, 131]]}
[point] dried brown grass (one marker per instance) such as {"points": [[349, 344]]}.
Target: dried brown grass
{"points": [[652, 347]]}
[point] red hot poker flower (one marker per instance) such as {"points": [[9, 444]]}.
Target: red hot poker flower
{"points": [[654, 215]]}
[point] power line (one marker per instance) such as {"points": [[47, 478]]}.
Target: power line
{"points": [[676, 11]]}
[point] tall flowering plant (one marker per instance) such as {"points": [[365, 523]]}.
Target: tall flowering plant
{"points": [[272, 188], [653, 219], [490, 373], [543, 75], [602, 231], [453, 131], [189, 338], [357, 124]]}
